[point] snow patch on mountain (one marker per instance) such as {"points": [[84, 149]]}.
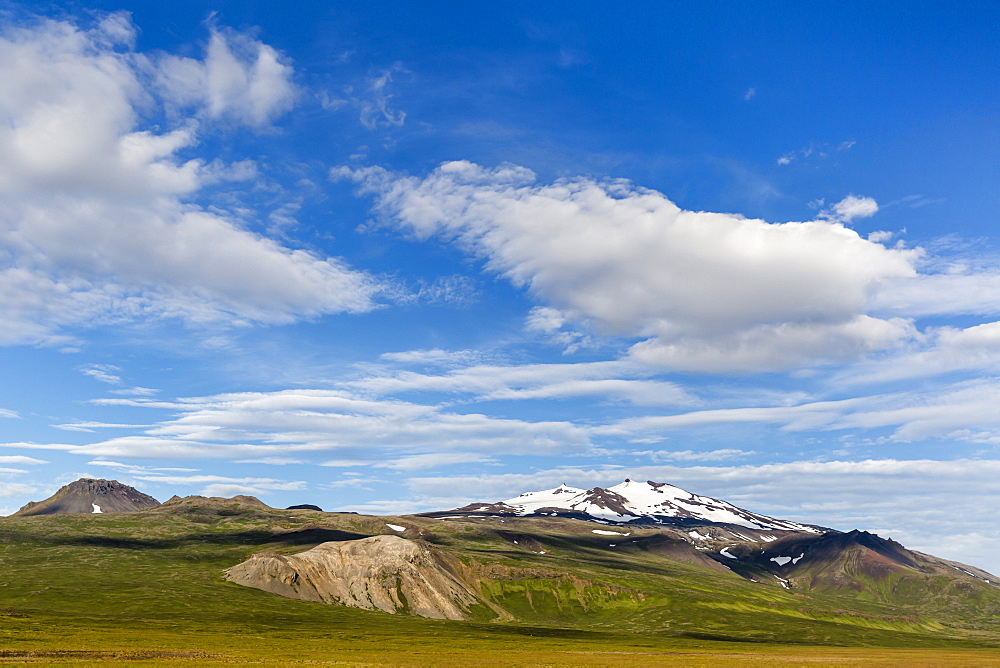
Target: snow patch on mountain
{"points": [[636, 501]]}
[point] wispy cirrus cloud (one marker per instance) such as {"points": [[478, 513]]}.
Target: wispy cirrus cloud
{"points": [[608, 381], [815, 151], [105, 373], [373, 100]]}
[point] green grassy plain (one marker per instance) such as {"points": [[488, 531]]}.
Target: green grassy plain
{"points": [[148, 588]]}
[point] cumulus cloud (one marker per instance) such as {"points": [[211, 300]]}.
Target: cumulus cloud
{"points": [[851, 207], [707, 291], [97, 222], [239, 78], [557, 327]]}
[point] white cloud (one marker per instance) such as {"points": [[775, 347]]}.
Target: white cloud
{"points": [[105, 373], [693, 456], [776, 347], [356, 483], [965, 292], [389, 507], [960, 412], [20, 459], [433, 460], [374, 102], [133, 468], [272, 461], [599, 380], [815, 151], [629, 262], [941, 350], [545, 319], [91, 426], [880, 236], [9, 489], [216, 485], [346, 463], [552, 322], [851, 207], [96, 225], [253, 425], [240, 78], [376, 110], [135, 391], [434, 357], [4, 413], [294, 424]]}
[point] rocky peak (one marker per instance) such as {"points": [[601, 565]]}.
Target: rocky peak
{"points": [[91, 496]]}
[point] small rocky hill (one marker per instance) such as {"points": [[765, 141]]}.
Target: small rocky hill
{"points": [[385, 573], [214, 501], [91, 496]]}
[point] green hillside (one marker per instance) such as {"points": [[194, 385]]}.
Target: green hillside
{"points": [[149, 585]]}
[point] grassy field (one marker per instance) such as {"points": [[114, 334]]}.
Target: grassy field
{"points": [[148, 587]]}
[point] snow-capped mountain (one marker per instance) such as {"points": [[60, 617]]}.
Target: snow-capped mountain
{"points": [[635, 502]]}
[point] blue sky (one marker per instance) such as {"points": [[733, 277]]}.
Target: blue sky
{"points": [[392, 258]]}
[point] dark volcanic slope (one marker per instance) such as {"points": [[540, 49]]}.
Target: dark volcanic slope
{"points": [[91, 496]]}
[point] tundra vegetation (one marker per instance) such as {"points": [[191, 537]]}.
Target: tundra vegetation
{"points": [[151, 586]]}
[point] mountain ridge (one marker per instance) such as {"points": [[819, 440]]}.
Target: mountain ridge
{"points": [[633, 502]]}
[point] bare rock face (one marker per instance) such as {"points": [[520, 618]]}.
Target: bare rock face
{"points": [[91, 496], [387, 573]]}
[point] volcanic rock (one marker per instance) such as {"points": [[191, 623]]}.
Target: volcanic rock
{"points": [[304, 506], [91, 496]]}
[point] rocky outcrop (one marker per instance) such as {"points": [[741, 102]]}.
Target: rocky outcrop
{"points": [[88, 495], [387, 573]]}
